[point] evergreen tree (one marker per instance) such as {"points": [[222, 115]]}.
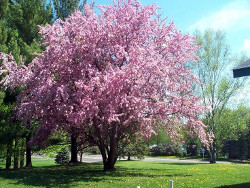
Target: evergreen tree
{"points": [[25, 17], [19, 35], [63, 8], [4, 8]]}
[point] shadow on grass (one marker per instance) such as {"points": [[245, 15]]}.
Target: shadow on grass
{"points": [[63, 176], [241, 185]]}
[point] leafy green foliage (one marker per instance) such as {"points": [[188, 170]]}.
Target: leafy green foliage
{"points": [[25, 16], [4, 8], [55, 144], [160, 138], [137, 148], [3, 36], [234, 133], [19, 27]]}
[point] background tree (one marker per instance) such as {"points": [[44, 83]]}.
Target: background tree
{"points": [[8, 42], [234, 137], [4, 8], [12, 132], [63, 8], [8, 35], [161, 137], [136, 147], [25, 17], [19, 36], [6, 140], [214, 70]]}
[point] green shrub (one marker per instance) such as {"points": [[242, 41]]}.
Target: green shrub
{"points": [[62, 157]]}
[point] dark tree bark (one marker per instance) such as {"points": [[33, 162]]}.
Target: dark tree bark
{"points": [[16, 154], [109, 154], [28, 153], [212, 152], [22, 160], [111, 159], [22, 152], [129, 158], [213, 145], [9, 154], [81, 153], [73, 150]]}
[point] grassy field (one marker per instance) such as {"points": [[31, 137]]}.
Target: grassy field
{"points": [[128, 174]]}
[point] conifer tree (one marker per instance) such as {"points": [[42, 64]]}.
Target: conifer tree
{"points": [[63, 8], [19, 20]]}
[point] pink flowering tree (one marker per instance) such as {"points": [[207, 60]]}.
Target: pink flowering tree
{"points": [[110, 76]]}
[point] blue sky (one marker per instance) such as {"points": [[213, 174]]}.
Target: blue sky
{"points": [[231, 16]]}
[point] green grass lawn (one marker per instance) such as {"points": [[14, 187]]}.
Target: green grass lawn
{"points": [[128, 174]]}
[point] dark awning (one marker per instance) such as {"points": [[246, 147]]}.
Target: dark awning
{"points": [[242, 69]]}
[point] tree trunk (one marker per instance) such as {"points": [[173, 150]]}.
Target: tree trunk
{"points": [[9, 154], [81, 153], [213, 145], [109, 162], [22, 160], [16, 154], [129, 158], [104, 156], [28, 153], [22, 152], [213, 152], [73, 150]]}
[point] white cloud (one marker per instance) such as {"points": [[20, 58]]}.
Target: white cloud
{"points": [[246, 46], [234, 15], [241, 98]]}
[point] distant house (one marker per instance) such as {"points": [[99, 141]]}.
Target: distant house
{"points": [[242, 69]]}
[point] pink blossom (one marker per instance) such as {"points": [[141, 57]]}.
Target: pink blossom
{"points": [[124, 68]]}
